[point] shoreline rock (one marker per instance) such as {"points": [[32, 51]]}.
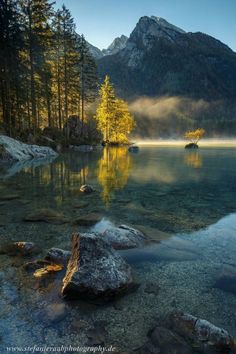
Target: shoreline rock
{"points": [[14, 150]]}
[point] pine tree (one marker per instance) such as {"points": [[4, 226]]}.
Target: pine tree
{"points": [[70, 64], [106, 109], [10, 65], [36, 19], [114, 119], [46, 73], [88, 76]]}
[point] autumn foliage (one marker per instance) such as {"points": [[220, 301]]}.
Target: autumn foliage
{"points": [[113, 117], [195, 135]]}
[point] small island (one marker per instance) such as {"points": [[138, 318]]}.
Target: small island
{"points": [[194, 136]]}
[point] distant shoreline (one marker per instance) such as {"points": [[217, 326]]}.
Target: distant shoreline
{"points": [[182, 143]]}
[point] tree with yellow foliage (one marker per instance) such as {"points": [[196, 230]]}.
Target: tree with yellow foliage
{"points": [[114, 119], [194, 136]]}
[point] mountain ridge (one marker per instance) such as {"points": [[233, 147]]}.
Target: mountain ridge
{"points": [[162, 59]]}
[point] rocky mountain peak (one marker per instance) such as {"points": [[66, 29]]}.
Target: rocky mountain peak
{"points": [[153, 27], [118, 44]]}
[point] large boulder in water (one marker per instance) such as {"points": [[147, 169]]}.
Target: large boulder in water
{"points": [[95, 270], [14, 150]]}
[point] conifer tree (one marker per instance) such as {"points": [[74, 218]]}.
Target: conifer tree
{"points": [[114, 119], [10, 64], [41, 65], [106, 109], [70, 64], [88, 76], [36, 21]]}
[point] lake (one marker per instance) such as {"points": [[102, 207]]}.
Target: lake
{"points": [[184, 200]]}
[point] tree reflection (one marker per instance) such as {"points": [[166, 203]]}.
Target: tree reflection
{"points": [[193, 159], [113, 170], [59, 179]]}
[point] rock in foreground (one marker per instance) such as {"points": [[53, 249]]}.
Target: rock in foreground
{"points": [[124, 237], [201, 333], [185, 334], [14, 150], [95, 270]]}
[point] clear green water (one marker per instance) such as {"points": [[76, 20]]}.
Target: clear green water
{"points": [[186, 199]]}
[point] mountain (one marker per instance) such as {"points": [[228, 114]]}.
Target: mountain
{"points": [[96, 52], [118, 44], [161, 59]]}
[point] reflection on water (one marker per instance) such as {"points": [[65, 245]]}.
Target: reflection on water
{"points": [[113, 171], [171, 194], [193, 159]]}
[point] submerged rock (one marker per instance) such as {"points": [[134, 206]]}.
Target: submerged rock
{"points": [[201, 333], [55, 312], [47, 270], [88, 220], [124, 237], [95, 270], [57, 255], [33, 266], [227, 280], [152, 288], [87, 188], [20, 248], [164, 341], [182, 333], [46, 215], [9, 197], [14, 150]]}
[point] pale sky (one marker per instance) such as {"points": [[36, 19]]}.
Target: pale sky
{"points": [[103, 20]]}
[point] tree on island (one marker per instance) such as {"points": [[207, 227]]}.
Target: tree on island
{"points": [[194, 136], [113, 117]]}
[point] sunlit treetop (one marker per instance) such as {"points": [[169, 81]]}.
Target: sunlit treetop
{"points": [[194, 135]]}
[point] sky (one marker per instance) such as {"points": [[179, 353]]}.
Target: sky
{"points": [[101, 21]]}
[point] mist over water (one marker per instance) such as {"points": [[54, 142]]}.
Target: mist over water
{"points": [[224, 142], [164, 107], [170, 117]]}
